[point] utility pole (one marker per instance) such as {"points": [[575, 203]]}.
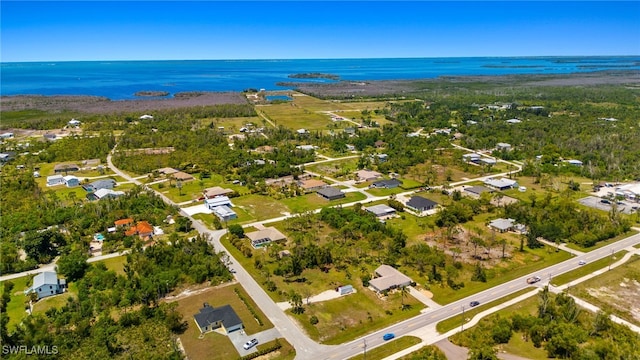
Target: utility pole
{"points": [[462, 325]]}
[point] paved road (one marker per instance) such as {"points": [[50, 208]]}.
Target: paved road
{"points": [[433, 316]]}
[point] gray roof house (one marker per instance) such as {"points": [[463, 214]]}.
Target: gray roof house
{"points": [[388, 278], [476, 191], [386, 184], [418, 203], [502, 225], [330, 193], [381, 210], [264, 237], [47, 284], [224, 317], [501, 184], [99, 184]]}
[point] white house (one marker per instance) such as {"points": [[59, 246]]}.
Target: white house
{"points": [[71, 181], [146, 117], [47, 284], [74, 122], [54, 180]]}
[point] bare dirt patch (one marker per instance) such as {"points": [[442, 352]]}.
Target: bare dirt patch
{"points": [[623, 298]]}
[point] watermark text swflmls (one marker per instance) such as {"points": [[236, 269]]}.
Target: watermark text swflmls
{"points": [[30, 350]]}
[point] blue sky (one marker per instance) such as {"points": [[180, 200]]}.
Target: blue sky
{"points": [[163, 30]]}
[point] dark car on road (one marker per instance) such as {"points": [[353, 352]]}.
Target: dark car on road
{"points": [[474, 303]]}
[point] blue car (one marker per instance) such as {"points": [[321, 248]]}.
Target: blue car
{"points": [[388, 336]]}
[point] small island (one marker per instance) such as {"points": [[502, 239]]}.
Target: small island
{"points": [[152, 93], [314, 76]]}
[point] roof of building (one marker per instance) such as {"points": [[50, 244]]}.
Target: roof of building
{"points": [[379, 210], [502, 224], [55, 177], [167, 171], [387, 183], [65, 166], [367, 174], [45, 278], [312, 183], [389, 277], [501, 144], [70, 177], [218, 201], [330, 192], [471, 156], [270, 233], [216, 191], [103, 184], [209, 315], [223, 211], [419, 202], [182, 176], [500, 183], [125, 221], [478, 189], [100, 193], [142, 227]]}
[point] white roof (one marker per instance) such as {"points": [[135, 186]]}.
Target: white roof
{"points": [[218, 201], [55, 177], [100, 193], [502, 224], [380, 209], [146, 117], [70, 177], [500, 183], [389, 277], [223, 211]]}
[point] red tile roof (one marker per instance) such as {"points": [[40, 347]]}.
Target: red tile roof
{"points": [[123, 221]]}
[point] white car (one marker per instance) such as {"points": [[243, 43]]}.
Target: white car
{"points": [[581, 262], [249, 344]]}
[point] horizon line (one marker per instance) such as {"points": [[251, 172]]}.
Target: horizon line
{"points": [[328, 58]]}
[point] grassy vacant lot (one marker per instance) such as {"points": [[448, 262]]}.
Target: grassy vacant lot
{"points": [[516, 345], [292, 116], [312, 201], [192, 190], [260, 207], [213, 345], [615, 291], [520, 265], [16, 306], [389, 348], [116, 264], [336, 169], [456, 321], [587, 269], [232, 123], [355, 315]]}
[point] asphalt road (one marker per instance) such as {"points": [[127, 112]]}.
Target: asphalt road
{"points": [[355, 347]]}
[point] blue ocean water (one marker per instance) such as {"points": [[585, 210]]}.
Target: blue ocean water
{"points": [[119, 80]]}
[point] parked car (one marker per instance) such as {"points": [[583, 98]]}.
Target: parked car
{"points": [[388, 336], [249, 344], [474, 303]]}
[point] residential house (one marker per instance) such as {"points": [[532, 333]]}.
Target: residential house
{"points": [[420, 204], [54, 180], [224, 317], [167, 171], [306, 147], [143, 229], [514, 121], [574, 162], [312, 184], [46, 284], [182, 176], [90, 162], [388, 278], [65, 168], [386, 184], [216, 191], [224, 213], [379, 144], [104, 194], [7, 135], [501, 184], [123, 222], [265, 236], [146, 117], [330, 193], [503, 146], [381, 210], [502, 225], [473, 157], [50, 137], [350, 131], [71, 181], [476, 191], [488, 161], [302, 131], [367, 175], [99, 184], [74, 122], [381, 157], [351, 147], [4, 157], [214, 202]]}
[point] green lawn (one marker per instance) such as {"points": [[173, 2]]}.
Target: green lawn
{"points": [[192, 190], [389, 348], [116, 264], [259, 207], [213, 345], [527, 262], [355, 315], [57, 301], [456, 321], [587, 269], [295, 117], [312, 201], [16, 306]]}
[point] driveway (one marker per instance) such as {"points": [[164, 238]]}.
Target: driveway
{"points": [[239, 338]]}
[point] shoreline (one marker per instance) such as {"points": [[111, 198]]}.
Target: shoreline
{"points": [[341, 89]]}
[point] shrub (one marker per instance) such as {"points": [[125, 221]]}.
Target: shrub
{"points": [[313, 320]]}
